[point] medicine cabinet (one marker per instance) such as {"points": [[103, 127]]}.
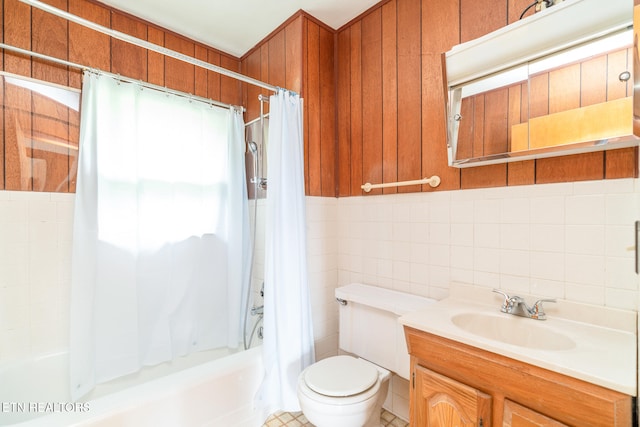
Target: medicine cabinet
{"points": [[555, 83]]}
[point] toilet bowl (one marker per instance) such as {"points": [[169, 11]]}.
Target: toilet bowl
{"points": [[343, 391], [349, 391]]}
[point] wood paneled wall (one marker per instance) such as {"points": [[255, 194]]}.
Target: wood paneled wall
{"points": [[373, 90], [390, 101], [299, 55], [42, 32]]}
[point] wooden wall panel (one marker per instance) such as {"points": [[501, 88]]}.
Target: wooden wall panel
{"points": [[127, 59], [371, 106], [409, 93], [17, 112], [496, 131], [294, 55], [374, 98], [343, 112], [581, 167], [213, 79], [312, 95], [305, 118], [478, 18], [436, 39], [85, 45], [477, 130], [299, 56], [230, 88], [200, 74], [593, 76], [622, 163], [390, 71], [43, 32], [251, 67], [155, 61], [49, 119], [277, 58], [357, 143], [465, 20], [264, 71], [327, 101]]}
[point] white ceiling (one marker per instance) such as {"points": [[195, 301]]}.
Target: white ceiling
{"points": [[235, 26]]}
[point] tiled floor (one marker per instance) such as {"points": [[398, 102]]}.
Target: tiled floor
{"points": [[297, 419]]}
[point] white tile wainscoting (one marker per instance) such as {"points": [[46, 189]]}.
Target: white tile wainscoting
{"points": [[571, 240]]}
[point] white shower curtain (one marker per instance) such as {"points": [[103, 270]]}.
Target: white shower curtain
{"points": [[288, 345], [160, 237]]}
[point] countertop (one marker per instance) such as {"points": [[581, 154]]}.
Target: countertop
{"points": [[602, 355]]}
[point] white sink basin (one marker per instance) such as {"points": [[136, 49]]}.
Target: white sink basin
{"points": [[513, 330], [594, 351]]}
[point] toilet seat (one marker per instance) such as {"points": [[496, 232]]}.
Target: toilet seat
{"points": [[341, 376]]}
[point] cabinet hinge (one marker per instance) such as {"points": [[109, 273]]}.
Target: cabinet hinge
{"points": [[480, 423], [413, 380]]}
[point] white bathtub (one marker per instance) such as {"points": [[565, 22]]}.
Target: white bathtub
{"points": [[203, 392]]}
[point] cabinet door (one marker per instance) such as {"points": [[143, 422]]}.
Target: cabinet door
{"points": [[516, 415], [439, 401]]}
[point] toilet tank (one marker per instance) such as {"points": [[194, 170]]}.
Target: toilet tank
{"points": [[369, 326]]}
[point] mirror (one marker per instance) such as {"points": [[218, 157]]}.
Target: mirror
{"points": [[513, 96], [41, 133]]}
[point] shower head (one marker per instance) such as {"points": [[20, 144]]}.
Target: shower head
{"points": [[253, 147]]}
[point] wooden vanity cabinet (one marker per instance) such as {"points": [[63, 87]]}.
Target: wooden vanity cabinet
{"points": [[441, 401], [454, 384]]}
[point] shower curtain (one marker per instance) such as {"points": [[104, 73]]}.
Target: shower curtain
{"points": [[160, 235], [288, 345]]}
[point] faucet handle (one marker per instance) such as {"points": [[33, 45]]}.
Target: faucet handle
{"points": [[538, 310], [507, 300]]}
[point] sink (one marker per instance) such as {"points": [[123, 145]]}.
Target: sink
{"points": [[513, 330]]}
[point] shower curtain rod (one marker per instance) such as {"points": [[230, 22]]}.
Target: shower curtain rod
{"points": [[114, 76], [147, 45]]}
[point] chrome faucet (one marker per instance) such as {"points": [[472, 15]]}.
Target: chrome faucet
{"points": [[517, 306]]}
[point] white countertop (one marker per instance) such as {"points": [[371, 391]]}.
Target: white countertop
{"points": [[602, 355]]}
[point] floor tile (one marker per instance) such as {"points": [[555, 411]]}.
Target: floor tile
{"points": [[297, 419]]}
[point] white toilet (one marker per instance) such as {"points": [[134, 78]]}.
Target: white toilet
{"points": [[347, 391]]}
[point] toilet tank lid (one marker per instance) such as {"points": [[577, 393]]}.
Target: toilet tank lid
{"points": [[384, 299]]}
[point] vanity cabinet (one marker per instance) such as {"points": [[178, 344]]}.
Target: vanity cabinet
{"points": [[454, 384], [442, 401], [516, 415]]}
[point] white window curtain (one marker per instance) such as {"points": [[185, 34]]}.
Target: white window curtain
{"points": [[288, 345], [161, 231]]}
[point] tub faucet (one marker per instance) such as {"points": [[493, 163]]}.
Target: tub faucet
{"points": [[517, 306]]}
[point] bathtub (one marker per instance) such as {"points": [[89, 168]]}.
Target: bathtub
{"points": [[210, 388]]}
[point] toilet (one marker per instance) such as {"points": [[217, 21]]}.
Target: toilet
{"points": [[349, 390]]}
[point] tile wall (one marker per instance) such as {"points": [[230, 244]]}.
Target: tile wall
{"points": [[571, 240], [35, 258]]}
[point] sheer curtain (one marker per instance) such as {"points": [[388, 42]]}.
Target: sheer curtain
{"points": [[288, 345], [160, 237]]}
